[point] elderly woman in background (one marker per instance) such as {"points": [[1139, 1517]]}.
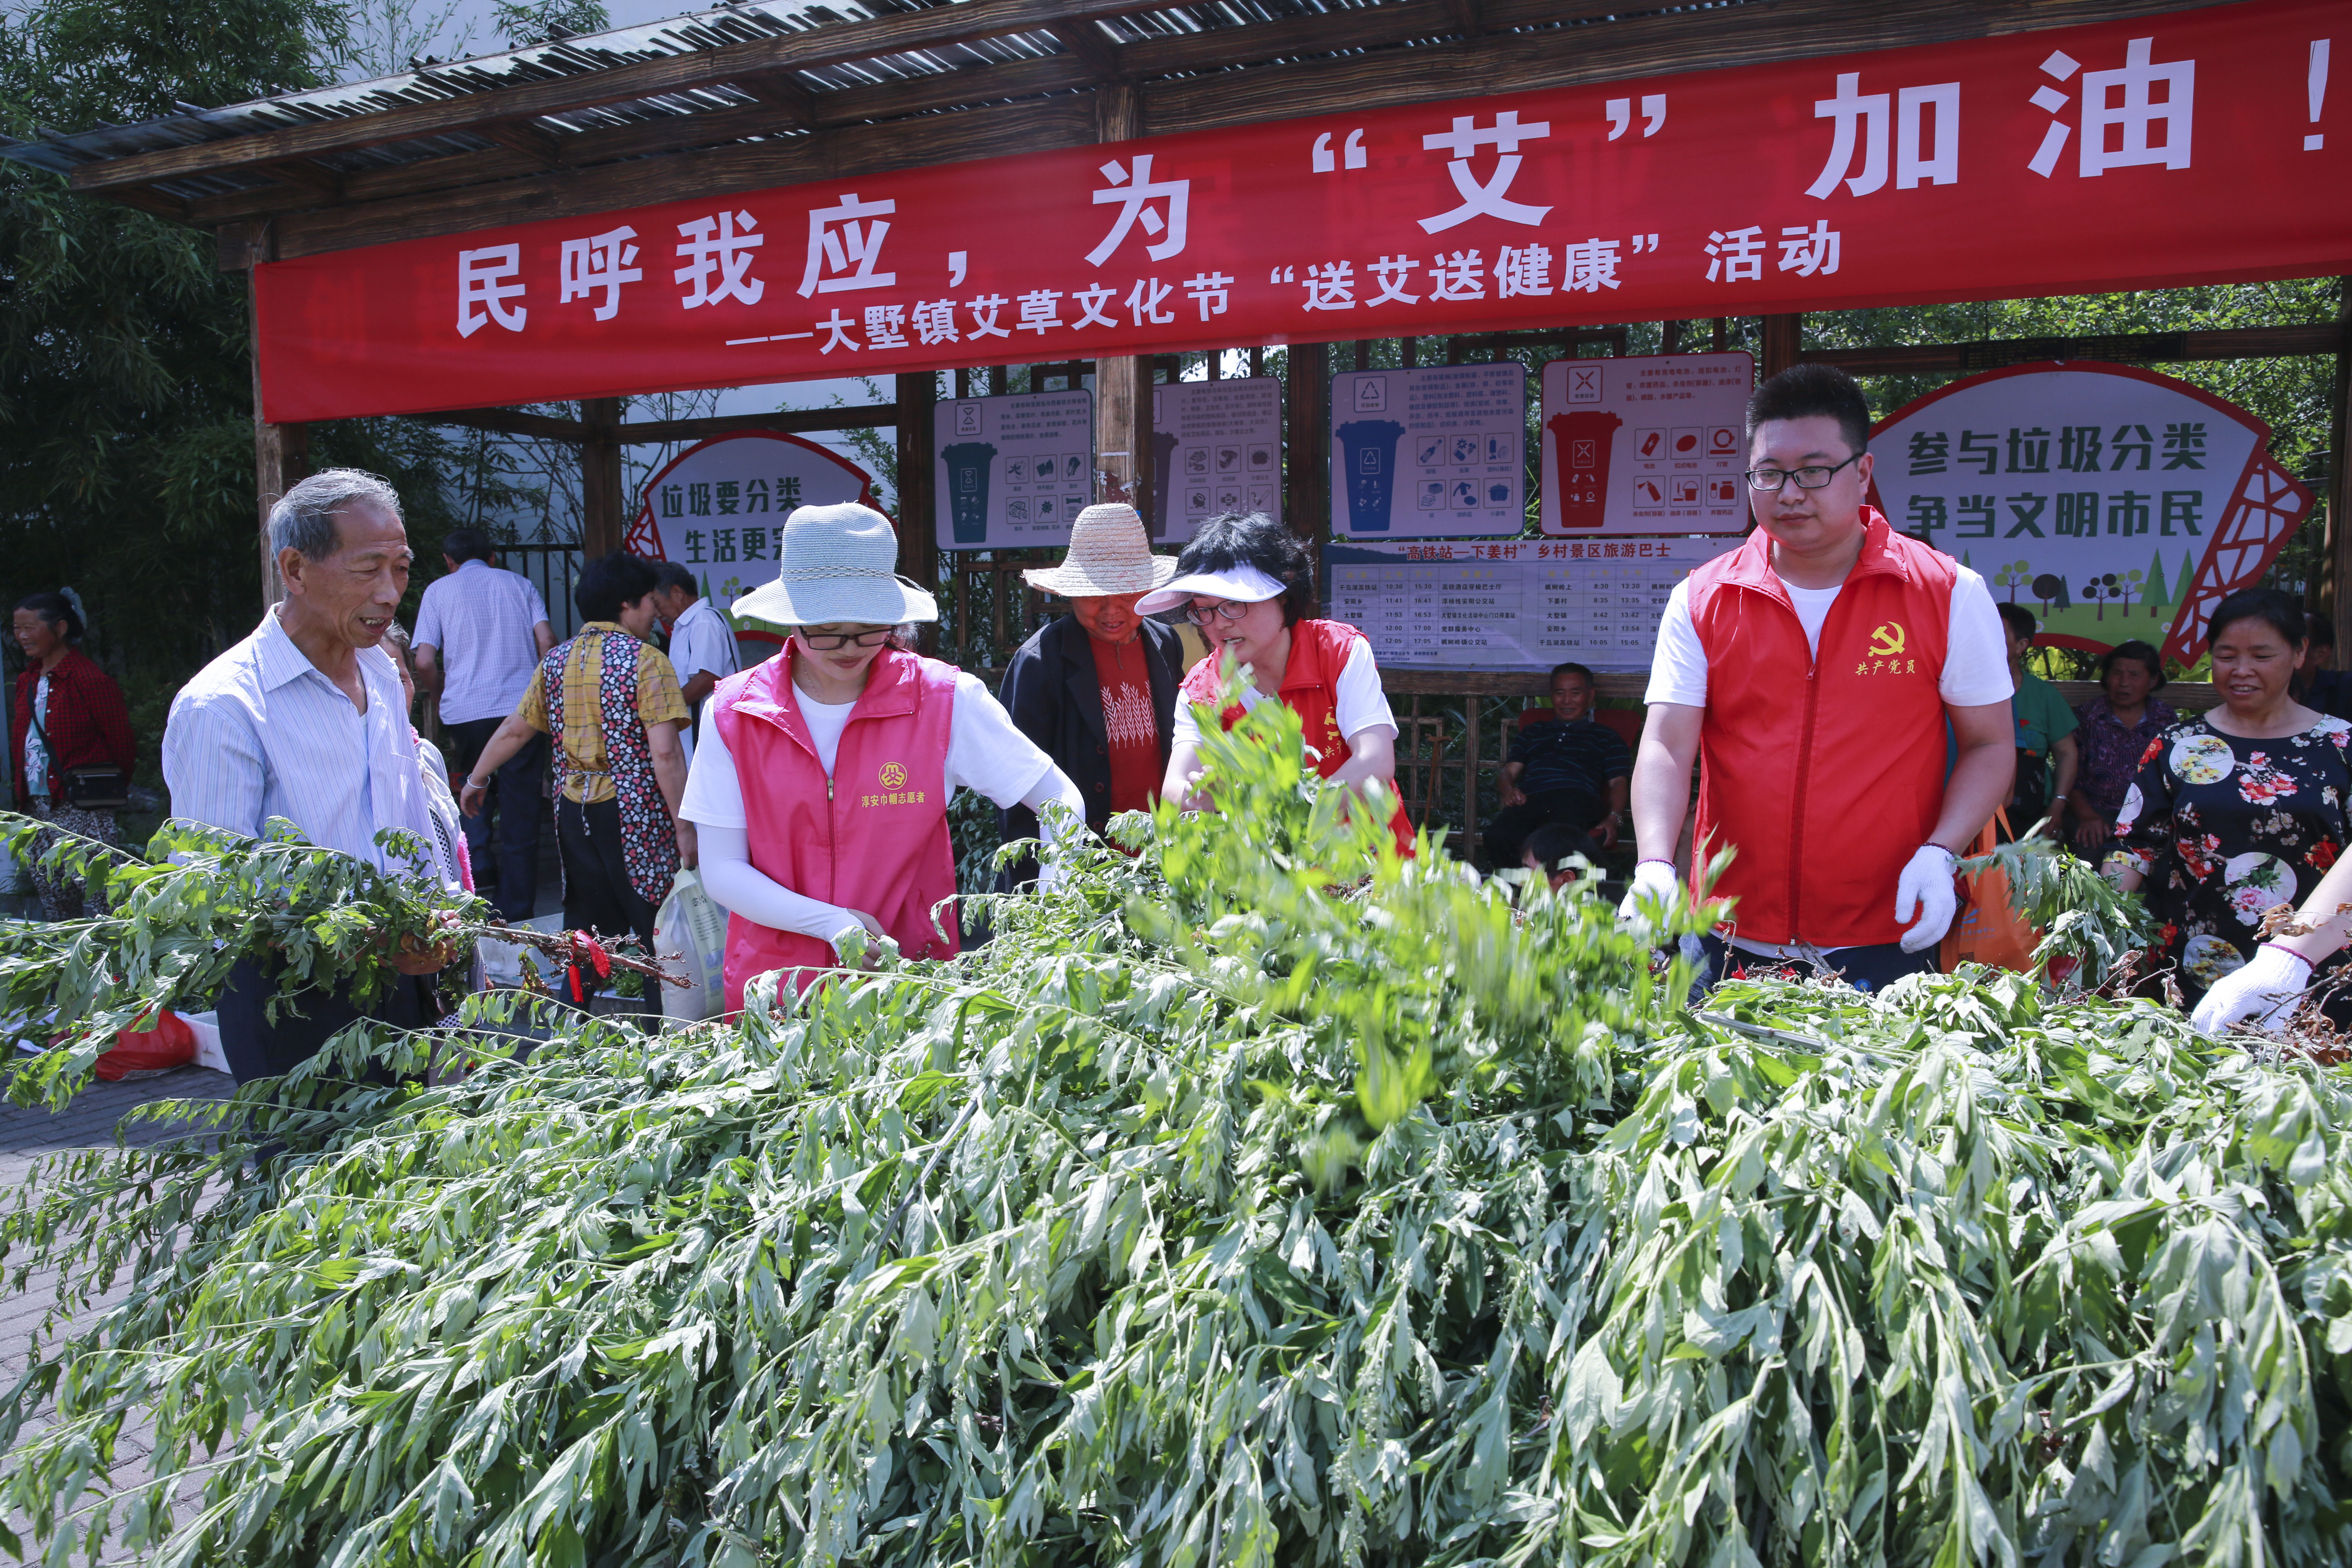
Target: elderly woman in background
{"points": [[2113, 733], [2237, 811], [1096, 688], [70, 716]]}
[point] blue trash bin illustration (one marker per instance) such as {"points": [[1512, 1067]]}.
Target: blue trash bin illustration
{"points": [[968, 463], [1367, 449]]}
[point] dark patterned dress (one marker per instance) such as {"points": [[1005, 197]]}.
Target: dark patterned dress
{"points": [[2223, 829]]}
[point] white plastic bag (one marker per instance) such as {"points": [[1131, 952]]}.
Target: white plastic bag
{"points": [[690, 935]]}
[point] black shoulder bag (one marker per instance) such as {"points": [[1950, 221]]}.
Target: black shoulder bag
{"points": [[92, 789]]}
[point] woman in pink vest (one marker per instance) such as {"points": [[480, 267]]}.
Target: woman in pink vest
{"points": [[820, 777], [1249, 584]]}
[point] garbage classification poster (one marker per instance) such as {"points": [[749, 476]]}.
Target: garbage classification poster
{"points": [[2198, 146]]}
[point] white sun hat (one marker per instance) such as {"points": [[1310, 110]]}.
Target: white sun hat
{"points": [[833, 564], [1109, 555], [1241, 584]]}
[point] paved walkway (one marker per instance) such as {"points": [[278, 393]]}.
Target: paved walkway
{"points": [[25, 1137]]}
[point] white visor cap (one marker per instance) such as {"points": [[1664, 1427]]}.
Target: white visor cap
{"points": [[1239, 584]]}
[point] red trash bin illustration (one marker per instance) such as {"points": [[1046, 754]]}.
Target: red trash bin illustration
{"points": [[1580, 443]]}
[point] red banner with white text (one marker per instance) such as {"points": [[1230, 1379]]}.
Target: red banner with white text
{"points": [[2194, 147]]}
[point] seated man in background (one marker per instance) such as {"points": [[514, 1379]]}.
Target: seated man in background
{"points": [[2047, 752], [1570, 769], [1551, 852]]}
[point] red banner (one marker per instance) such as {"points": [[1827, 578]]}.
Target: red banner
{"points": [[2187, 148]]}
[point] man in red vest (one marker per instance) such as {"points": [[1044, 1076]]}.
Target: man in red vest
{"points": [[1810, 675]]}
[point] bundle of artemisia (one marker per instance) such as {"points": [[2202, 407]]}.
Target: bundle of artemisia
{"points": [[1226, 1208]]}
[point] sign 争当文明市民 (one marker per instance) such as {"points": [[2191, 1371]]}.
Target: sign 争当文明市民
{"points": [[2116, 504], [2165, 149]]}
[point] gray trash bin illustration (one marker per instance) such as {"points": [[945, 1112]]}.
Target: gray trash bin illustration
{"points": [[1163, 472], [968, 464], [1368, 449]]}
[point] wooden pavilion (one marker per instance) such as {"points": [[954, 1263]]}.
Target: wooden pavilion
{"points": [[768, 93]]}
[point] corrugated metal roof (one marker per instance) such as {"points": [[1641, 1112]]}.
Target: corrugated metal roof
{"points": [[588, 54]]}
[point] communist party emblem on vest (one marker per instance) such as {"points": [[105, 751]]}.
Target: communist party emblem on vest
{"points": [[892, 776], [1886, 640]]}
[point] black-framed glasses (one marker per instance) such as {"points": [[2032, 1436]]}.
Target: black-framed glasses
{"points": [[1230, 611], [1812, 477], [826, 642]]}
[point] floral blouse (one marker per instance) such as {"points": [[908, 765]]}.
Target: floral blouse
{"points": [[2111, 753], [2223, 829]]}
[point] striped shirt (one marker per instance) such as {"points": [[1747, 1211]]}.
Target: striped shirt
{"points": [[480, 619], [659, 702], [261, 733]]}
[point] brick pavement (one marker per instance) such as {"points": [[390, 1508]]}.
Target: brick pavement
{"points": [[91, 1120]]}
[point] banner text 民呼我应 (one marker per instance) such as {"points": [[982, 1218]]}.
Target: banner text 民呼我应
{"points": [[2168, 148]]}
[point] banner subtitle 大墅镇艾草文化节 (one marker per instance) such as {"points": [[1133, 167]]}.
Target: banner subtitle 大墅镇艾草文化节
{"points": [[2164, 150]]}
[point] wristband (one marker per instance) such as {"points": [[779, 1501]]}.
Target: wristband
{"points": [[473, 782]]}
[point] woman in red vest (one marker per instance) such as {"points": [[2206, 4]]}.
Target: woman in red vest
{"points": [[1249, 584], [820, 777]]}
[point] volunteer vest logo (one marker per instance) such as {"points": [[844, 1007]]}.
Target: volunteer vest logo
{"points": [[891, 778], [1887, 641]]}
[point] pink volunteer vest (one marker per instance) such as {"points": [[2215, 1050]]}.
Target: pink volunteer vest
{"points": [[874, 837]]}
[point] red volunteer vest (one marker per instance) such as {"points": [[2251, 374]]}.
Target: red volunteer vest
{"points": [[874, 837], [1826, 774], [1310, 689]]}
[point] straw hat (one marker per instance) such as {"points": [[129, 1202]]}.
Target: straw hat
{"points": [[1109, 555], [838, 563]]}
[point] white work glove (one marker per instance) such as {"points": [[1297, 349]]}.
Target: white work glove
{"points": [[1653, 880], [2265, 991], [1925, 886]]}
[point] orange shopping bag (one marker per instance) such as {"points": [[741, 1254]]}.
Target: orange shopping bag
{"points": [[1989, 930]]}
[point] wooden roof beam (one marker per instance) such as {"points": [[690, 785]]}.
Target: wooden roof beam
{"points": [[1015, 79], [1096, 53], [541, 147], [306, 176], [779, 90], [904, 32], [1011, 80]]}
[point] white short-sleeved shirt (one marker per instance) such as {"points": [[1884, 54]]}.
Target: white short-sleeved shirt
{"points": [[261, 732], [702, 640], [1976, 654], [1359, 702], [480, 617], [985, 753]]}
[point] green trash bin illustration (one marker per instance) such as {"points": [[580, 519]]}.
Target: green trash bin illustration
{"points": [[968, 466], [1368, 450]]}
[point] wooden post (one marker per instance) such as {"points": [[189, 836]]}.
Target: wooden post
{"points": [[281, 458], [919, 525], [1123, 382], [2338, 565], [602, 504], [1784, 338], [1307, 445]]}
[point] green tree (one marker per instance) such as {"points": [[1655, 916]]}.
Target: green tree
{"points": [[126, 437], [2012, 576], [2156, 595]]}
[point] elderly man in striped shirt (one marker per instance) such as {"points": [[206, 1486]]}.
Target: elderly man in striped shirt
{"points": [[305, 720]]}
